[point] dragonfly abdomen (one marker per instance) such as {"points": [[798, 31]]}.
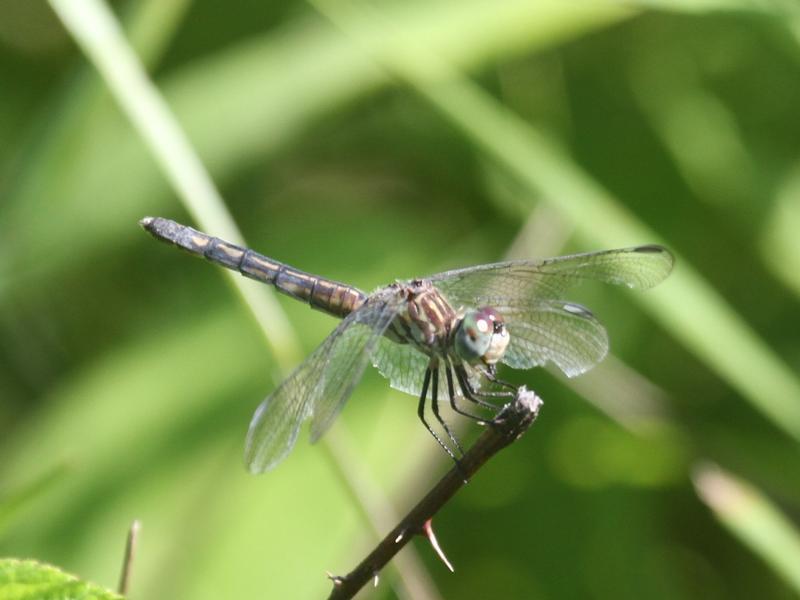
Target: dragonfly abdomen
{"points": [[329, 296]]}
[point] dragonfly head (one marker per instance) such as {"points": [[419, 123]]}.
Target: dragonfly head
{"points": [[481, 336]]}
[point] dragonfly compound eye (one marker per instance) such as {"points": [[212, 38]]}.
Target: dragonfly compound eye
{"points": [[473, 336]]}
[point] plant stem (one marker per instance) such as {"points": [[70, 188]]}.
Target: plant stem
{"points": [[127, 561]]}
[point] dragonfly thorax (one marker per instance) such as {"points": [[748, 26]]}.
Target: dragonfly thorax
{"points": [[427, 319], [481, 336], [431, 324]]}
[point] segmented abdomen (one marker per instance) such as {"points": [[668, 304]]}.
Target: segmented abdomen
{"points": [[332, 297]]}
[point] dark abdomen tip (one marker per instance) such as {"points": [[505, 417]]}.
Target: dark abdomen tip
{"points": [[165, 229]]}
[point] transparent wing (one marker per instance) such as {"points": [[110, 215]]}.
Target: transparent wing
{"points": [[527, 294], [348, 357], [564, 333], [402, 364], [319, 387], [522, 281]]}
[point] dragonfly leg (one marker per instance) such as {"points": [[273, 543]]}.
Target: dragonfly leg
{"points": [[452, 392], [421, 413], [435, 407], [477, 395], [491, 374], [469, 393]]}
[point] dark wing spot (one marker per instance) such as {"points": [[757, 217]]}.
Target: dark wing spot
{"points": [[651, 249]]}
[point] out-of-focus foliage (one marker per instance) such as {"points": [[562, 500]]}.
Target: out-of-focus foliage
{"points": [[128, 371], [30, 580]]}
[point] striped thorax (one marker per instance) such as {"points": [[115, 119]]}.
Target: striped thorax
{"points": [[430, 323], [426, 320]]}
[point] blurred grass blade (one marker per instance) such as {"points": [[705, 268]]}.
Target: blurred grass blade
{"points": [[783, 9], [779, 243], [29, 580], [292, 75], [687, 306], [751, 517], [14, 502], [96, 30], [785, 12], [152, 26], [74, 116], [697, 129], [98, 33]]}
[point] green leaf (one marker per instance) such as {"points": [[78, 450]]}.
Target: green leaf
{"points": [[31, 580]]}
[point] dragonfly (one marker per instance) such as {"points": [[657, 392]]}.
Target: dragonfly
{"points": [[440, 337]]}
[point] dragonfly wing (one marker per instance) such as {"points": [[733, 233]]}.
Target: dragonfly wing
{"points": [[348, 357], [520, 282], [402, 364], [564, 333], [528, 293], [276, 422], [319, 387]]}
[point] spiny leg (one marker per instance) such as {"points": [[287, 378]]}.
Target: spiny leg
{"points": [[421, 413], [477, 395], [452, 392], [435, 407], [467, 390], [491, 374]]}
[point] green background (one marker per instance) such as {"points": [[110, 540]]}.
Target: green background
{"points": [[129, 371]]}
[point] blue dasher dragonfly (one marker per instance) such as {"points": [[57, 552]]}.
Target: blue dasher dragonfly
{"points": [[459, 324]]}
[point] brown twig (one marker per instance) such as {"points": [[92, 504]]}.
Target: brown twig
{"points": [[511, 423]]}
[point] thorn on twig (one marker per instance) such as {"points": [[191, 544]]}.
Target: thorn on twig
{"points": [[427, 530], [127, 561], [336, 579], [375, 579]]}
